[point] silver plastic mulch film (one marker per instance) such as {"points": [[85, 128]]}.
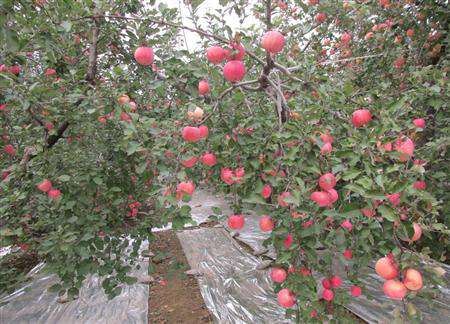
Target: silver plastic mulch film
{"points": [[33, 303], [235, 292]]}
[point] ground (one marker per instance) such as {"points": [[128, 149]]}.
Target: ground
{"points": [[174, 296]]}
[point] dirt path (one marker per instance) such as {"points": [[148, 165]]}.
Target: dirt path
{"points": [[174, 297]]}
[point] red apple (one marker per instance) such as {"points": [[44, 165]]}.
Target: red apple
{"points": [[144, 55], [54, 193], [420, 185], [361, 117], [406, 147], [236, 222], [234, 71], [203, 87], [278, 275], [204, 131], [190, 162], [322, 199], [417, 233], [412, 279], [238, 56], [266, 191], [286, 298], [215, 54], [419, 122], [9, 149], [288, 241], [327, 181], [273, 41], [281, 197], [191, 134], [266, 224], [347, 225], [209, 159], [355, 291], [186, 187], [346, 37], [326, 283], [328, 295], [394, 289], [326, 149], [321, 17], [348, 254], [45, 186], [386, 268], [335, 281]]}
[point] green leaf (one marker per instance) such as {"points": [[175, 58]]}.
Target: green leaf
{"points": [[387, 213]]}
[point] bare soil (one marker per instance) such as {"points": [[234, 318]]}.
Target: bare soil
{"points": [[174, 297]]}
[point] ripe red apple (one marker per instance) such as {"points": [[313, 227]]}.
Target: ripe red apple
{"points": [[54, 193], [215, 54], [238, 56], [313, 2], [234, 71], [333, 196], [327, 181], [346, 37], [15, 69], [406, 147], [355, 291], [133, 106], [50, 72], [347, 225], [420, 185], [236, 222], [417, 233], [204, 131], [335, 281], [226, 175], [394, 289], [266, 191], [273, 41], [286, 298], [186, 187], [203, 87], [123, 99], [361, 117], [288, 241], [328, 295], [419, 122], [125, 117], [44, 186], [326, 283], [368, 36], [144, 55], [326, 137], [410, 32], [278, 275], [394, 198], [322, 199], [266, 224], [321, 17], [326, 149], [412, 279], [191, 134], [9, 149], [281, 197], [386, 268], [190, 162], [348, 254], [209, 159]]}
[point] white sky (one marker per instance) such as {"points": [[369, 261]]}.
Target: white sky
{"points": [[207, 6]]}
